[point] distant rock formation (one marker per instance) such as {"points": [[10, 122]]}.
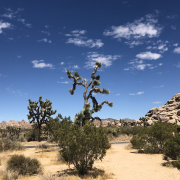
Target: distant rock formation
{"points": [[26, 125], [111, 121], [22, 124], [169, 113]]}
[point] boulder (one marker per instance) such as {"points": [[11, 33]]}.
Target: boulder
{"points": [[167, 113]]}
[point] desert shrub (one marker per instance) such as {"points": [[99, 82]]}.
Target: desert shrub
{"points": [[108, 146], [177, 163], [22, 139], [7, 144], [172, 147], [43, 146], [30, 135], [137, 142], [23, 165], [130, 130], [82, 146], [152, 139]]}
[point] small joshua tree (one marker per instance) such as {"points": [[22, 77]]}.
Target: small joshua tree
{"points": [[86, 113], [39, 113]]}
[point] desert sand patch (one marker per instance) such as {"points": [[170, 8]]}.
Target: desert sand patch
{"points": [[120, 163]]}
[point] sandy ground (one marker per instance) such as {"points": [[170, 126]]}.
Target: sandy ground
{"points": [[123, 162]]}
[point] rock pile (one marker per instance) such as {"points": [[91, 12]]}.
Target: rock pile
{"points": [[169, 113], [22, 124]]}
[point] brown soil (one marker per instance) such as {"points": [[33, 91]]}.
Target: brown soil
{"points": [[124, 163]]}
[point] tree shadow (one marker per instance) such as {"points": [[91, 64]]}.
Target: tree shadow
{"points": [[92, 174]]}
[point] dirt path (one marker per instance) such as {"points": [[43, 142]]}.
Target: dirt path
{"points": [[127, 165], [124, 163]]}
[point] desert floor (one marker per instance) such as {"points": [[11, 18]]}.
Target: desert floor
{"points": [[120, 163]]}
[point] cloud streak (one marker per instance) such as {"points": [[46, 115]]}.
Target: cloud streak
{"points": [[76, 37], [105, 60], [148, 56], [40, 64]]}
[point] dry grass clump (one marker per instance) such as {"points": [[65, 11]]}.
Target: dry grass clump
{"points": [[23, 165], [8, 175], [7, 144]]}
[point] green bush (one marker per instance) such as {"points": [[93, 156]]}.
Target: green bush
{"points": [[172, 147], [177, 163], [152, 139], [23, 165], [7, 144], [30, 135], [130, 130], [82, 146], [137, 142]]}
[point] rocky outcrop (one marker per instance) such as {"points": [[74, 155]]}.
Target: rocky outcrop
{"points": [[169, 113], [22, 124]]}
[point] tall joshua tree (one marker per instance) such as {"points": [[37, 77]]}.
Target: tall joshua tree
{"points": [[86, 113], [39, 113]]}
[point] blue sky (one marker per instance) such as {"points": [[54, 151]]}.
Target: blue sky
{"points": [[137, 42]]}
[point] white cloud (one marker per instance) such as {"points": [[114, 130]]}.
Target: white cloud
{"points": [[177, 50], [77, 38], [139, 93], [23, 21], [145, 27], [62, 63], [19, 56], [78, 32], [103, 59], [159, 45], [158, 86], [149, 47], [173, 27], [175, 44], [117, 94], [10, 90], [62, 77], [86, 43], [157, 102], [148, 56], [4, 25], [10, 39], [76, 67], [41, 64], [10, 13], [172, 16], [160, 64], [65, 82], [133, 43], [44, 40], [141, 66], [45, 32], [46, 26]]}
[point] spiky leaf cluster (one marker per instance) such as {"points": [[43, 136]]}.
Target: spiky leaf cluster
{"points": [[98, 64], [96, 82]]}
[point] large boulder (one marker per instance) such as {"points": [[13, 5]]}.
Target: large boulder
{"points": [[169, 113]]}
